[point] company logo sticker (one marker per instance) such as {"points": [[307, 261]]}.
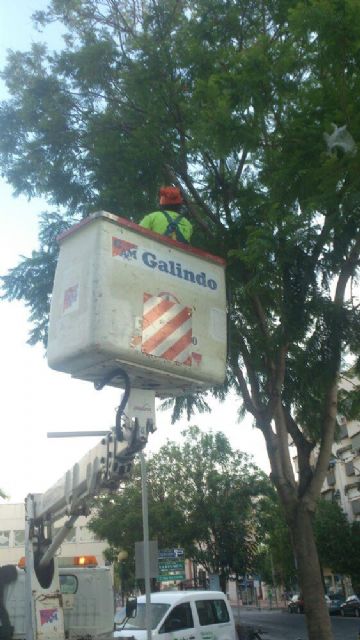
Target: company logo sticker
{"points": [[48, 616], [123, 249], [71, 298]]}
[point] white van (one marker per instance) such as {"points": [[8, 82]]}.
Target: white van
{"points": [[196, 615]]}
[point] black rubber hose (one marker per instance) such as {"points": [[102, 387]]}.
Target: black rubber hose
{"points": [[120, 410]]}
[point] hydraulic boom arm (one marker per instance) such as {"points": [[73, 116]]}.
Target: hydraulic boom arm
{"points": [[103, 468]]}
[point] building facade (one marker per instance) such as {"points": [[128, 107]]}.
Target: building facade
{"points": [[342, 483], [343, 478], [80, 540]]}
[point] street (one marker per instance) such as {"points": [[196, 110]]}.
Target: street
{"points": [[281, 625]]}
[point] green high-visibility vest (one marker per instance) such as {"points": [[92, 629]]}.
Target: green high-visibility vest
{"points": [[168, 223]]}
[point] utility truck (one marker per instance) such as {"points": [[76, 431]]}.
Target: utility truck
{"points": [[48, 602], [86, 598], [130, 309]]}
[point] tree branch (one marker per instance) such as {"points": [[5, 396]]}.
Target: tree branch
{"points": [[247, 399], [186, 178], [238, 173], [330, 405], [322, 237], [303, 447], [283, 452], [254, 383], [277, 375], [328, 432], [347, 271], [260, 315]]}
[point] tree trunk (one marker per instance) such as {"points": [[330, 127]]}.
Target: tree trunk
{"points": [[309, 573], [299, 502], [223, 582]]}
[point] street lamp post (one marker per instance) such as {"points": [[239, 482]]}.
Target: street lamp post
{"points": [[145, 514]]}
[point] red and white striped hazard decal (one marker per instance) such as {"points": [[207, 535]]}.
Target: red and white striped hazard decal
{"points": [[167, 329]]}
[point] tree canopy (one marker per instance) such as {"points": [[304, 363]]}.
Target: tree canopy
{"points": [[252, 108], [337, 539], [275, 557], [203, 496]]}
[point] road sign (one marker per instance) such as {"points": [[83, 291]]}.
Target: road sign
{"points": [[171, 553], [171, 577], [171, 565], [214, 582]]}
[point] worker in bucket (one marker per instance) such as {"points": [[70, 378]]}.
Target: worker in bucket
{"points": [[169, 220]]}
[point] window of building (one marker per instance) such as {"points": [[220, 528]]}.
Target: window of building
{"points": [[85, 535], [342, 431], [328, 495], [19, 538], [71, 536], [4, 539], [355, 505], [349, 468], [355, 442]]}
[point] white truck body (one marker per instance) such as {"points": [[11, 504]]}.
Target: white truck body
{"points": [[88, 603], [49, 602]]}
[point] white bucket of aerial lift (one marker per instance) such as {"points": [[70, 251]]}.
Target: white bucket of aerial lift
{"points": [[127, 297]]}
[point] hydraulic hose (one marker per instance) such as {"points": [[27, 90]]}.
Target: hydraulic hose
{"points": [[120, 410]]}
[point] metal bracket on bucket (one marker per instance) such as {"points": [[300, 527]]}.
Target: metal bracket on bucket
{"points": [[140, 410]]}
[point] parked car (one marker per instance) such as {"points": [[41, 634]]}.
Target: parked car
{"points": [[334, 602], [351, 606], [296, 604], [186, 614]]}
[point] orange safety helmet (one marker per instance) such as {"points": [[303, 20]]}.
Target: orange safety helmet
{"points": [[170, 195]]}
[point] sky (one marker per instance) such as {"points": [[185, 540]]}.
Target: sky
{"points": [[33, 398]]}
